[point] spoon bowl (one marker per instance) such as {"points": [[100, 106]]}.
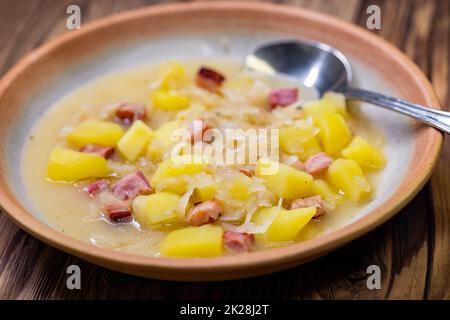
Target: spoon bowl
{"points": [[321, 67]]}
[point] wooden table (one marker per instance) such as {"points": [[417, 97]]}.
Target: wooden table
{"points": [[412, 249]]}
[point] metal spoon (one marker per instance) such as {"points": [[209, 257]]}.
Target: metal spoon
{"points": [[324, 68]]}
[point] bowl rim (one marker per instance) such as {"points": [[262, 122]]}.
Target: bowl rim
{"points": [[222, 267]]}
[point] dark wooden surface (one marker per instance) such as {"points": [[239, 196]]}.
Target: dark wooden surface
{"points": [[412, 249]]}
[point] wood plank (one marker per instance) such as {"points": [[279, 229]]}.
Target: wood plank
{"points": [[439, 62]]}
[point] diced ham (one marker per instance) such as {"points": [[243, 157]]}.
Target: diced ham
{"points": [[315, 201], [105, 152], [238, 241], [198, 129], [96, 187], [247, 172], [128, 113], [298, 165], [204, 212], [118, 211], [317, 164], [209, 79], [131, 185], [282, 97]]}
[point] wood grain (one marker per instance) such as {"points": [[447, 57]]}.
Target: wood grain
{"points": [[412, 249]]}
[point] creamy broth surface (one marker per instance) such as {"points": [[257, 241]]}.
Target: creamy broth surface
{"points": [[71, 211]]}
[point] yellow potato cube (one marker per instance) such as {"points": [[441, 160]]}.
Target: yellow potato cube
{"points": [[172, 77], [365, 154], [330, 102], [288, 223], [102, 133], [204, 193], [169, 100], [285, 181], [322, 188], [157, 208], [204, 241], [347, 176], [334, 133], [299, 140], [168, 169], [264, 214], [135, 140], [70, 166], [162, 139]]}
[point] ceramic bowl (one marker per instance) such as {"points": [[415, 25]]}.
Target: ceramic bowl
{"points": [[214, 29]]}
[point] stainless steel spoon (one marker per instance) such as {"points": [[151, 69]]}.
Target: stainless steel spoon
{"points": [[324, 68]]}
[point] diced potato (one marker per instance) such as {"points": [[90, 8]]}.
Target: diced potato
{"points": [[172, 77], [204, 241], [162, 141], [263, 214], [347, 176], [299, 140], [330, 102], [365, 154], [285, 181], [102, 133], [262, 217], [157, 208], [334, 133], [322, 188], [288, 223], [135, 140], [169, 100], [168, 169], [204, 193], [70, 166]]}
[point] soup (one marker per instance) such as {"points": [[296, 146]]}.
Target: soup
{"points": [[199, 159]]}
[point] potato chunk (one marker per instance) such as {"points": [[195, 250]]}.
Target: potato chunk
{"points": [[264, 214], [286, 182], [299, 140], [330, 102], [102, 133], [162, 139], [347, 176], [169, 100], [157, 208], [70, 166], [204, 241], [135, 140], [205, 192], [365, 154], [167, 169], [288, 223], [172, 77], [334, 133]]}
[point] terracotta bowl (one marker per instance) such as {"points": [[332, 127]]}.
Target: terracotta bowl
{"points": [[200, 29]]}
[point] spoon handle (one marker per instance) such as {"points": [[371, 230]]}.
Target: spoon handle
{"points": [[435, 118]]}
